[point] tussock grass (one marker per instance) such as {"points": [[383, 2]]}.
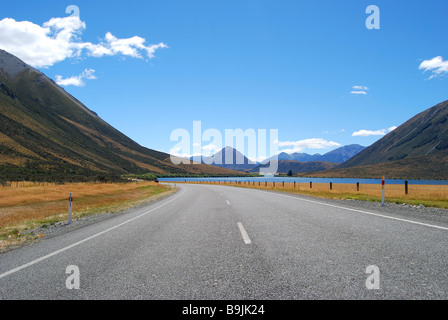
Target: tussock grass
{"points": [[427, 195], [26, 206]]}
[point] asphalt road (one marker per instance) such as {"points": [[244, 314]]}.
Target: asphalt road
{"points": [[226, 243]]}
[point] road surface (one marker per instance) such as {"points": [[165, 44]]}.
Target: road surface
{"points": [[210, 242]]}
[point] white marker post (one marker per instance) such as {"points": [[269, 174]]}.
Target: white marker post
{"points": [[70, 201], [383, 202]]}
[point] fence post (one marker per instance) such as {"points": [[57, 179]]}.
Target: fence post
{"points": [[383, 200], [406, 187], [357, 186], [331, 185], [70, 201]]}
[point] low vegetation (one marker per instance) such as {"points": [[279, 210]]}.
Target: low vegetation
{"points": [[427, 195], [25, 206]]}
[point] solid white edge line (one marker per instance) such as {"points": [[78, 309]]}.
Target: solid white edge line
{"points": [[85, 240], [366, 212], [244, 233]]}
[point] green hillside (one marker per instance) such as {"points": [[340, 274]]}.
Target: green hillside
{"points": [[418, 149], [426, 134]]}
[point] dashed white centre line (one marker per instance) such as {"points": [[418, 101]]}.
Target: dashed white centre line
{"points": [[244, 234]]}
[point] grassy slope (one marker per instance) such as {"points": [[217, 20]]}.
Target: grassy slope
{"points": [[424, 134], [433, 167]]}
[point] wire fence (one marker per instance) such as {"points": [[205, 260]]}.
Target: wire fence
{"points": [[424, 192]]}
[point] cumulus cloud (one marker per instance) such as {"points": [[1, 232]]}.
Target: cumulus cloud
{"points": [[368, 133], [132, 47], [436, 65], [299, 146], [77, 81], [60, 38]]}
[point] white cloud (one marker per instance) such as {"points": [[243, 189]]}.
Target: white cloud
{"points": [[176, 152], [131, 47], [436, 65], [257, 159], [392, 129], [367, 133], [359, 90], [299, 146], [77, 81], [60, 38], [211, 149]]}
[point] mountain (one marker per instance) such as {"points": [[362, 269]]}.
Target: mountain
{"points": [[425, 134], [302, 157], [228, 158], [45, 133], [418, 149], [284, 166], [339, 155], [342, 154]]}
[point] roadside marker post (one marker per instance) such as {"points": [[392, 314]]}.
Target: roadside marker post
{"points": [[383, 201], [70, 202]]}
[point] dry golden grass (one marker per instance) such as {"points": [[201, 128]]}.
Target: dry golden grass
{"points": [[26, 205], [428, 195]]}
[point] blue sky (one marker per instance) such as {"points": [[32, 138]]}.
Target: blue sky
{"points": [[248, 64]]}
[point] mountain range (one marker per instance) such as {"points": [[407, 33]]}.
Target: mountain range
{"points": [[45, 133], [296, 162], [339, 155]]}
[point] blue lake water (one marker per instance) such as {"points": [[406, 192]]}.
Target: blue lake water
{"points": [[307, 180]]}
